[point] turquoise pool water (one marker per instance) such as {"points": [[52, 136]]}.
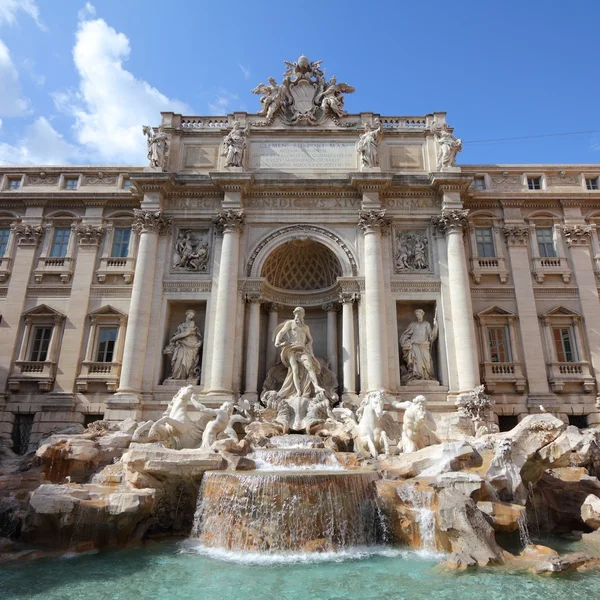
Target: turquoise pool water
{"points": [[183, 571]]}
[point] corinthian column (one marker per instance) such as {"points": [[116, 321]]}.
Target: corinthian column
{"points": [[331, 308], [149, 224], [230, 223], [578, 240], [451, 224], [373, 223], [273, 310], [252, 346], [348, 346]]}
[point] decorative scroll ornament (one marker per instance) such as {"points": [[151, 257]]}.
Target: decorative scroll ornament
{"points": [[448, 145], [373, 221], [577, 235], [305, 97], [230, 221], [450, 221], [89, 235], [152, 221], [158, 146], [27, 235], [516, 236]]}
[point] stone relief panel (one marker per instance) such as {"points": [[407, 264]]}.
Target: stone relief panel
{"points": [[406, 157], [191, 251], [199, 157], [412, 251]]}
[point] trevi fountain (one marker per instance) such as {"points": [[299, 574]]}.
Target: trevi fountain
{"points": [[308, 489]]}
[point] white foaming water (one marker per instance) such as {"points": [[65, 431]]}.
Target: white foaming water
{"points": [[420, 502], [287, 558], [299, 459], [262, 465]]}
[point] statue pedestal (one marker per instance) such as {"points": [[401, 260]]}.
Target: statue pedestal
{"points": [[450, 170], [423, 385], [371, 169]]}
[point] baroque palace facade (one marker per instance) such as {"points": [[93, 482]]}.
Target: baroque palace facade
{"points": [[360, 219]]}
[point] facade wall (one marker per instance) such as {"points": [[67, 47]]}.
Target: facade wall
{"points": [[505, 283]]}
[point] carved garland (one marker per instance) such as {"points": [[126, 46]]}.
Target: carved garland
{"points": [[302, 227]]}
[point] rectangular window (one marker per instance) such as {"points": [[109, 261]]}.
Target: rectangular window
{"points": [[591, 183], [485, 242], [499, 347], [545, 241], [563, 342], [107, 337], [120, 246], [534, 183], [14, 184], [478, 183], [4, 235], [60, 243], [71, 183], [41, 343]]}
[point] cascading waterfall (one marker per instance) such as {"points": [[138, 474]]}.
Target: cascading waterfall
{"points": [[421, 502], [292, 505]]}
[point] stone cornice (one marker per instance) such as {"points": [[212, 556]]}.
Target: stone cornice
{"points": [[231, 181], [371, 182], [450, 182], [153, 181]]}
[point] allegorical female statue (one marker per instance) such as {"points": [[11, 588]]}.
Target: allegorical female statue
{"points": [[184, 350], [416, 342], [368, 145], [234, 145]]}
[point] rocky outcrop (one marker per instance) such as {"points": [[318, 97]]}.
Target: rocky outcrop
{"points": [[87, 516], [590, 511], [568, 562], [557, 499], [503, 517], [433, 460]]}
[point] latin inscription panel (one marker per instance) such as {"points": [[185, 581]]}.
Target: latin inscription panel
{"points": [[303, 155]]}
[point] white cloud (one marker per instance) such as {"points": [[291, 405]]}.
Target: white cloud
{"points": [[221, 102], [111, 104], [245, 71], [10, 8], [12, 104], [41, 145]]}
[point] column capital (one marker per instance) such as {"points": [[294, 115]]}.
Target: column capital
{"points": [[516, 236], [273, 307], [89, 235], [253, 297], [373, 221], [348, 297], [27, 235], [577, 235], [230, 221], [330, 306], [450, 221], [151, 221]]}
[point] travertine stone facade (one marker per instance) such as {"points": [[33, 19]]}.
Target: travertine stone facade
{"points": [[98, 268]]}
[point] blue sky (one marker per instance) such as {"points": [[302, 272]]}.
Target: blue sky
{"points": [[77, 79]]}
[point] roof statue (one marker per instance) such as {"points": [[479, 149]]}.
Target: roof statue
{"points": [[305, 97]]}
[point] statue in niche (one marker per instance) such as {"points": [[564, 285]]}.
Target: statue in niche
{"points": [[184, 350], [448, 145], [158, 146], [191, 251], [296, 343], [368, 145], [417, 420], [412, 251], [416, 342], [234, 146]]}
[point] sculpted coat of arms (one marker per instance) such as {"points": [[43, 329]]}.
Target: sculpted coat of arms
{"points": [[305, 97]]}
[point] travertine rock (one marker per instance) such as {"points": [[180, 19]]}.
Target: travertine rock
{"points": [[590, 511], [433, 460], [502, 516], [568, 562]]}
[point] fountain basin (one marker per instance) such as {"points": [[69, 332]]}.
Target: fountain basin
{"points": [[262, 511]]}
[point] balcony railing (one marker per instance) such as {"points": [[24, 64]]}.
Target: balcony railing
{"points": [[561, 373], [5, 263], [110, 265], [40, 372], [99, 372], [61, 266], [551, 265], [505, 372], [495, 265]]}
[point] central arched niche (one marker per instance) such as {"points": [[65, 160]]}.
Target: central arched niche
{"points": [[302, 264]]}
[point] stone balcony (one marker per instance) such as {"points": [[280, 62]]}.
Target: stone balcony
{"points": [[489, 266], [123, 267], [551, 265], [26, 371], [63, 267], [495, 373], [5, 266], [99, 372], [564, 373]]}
